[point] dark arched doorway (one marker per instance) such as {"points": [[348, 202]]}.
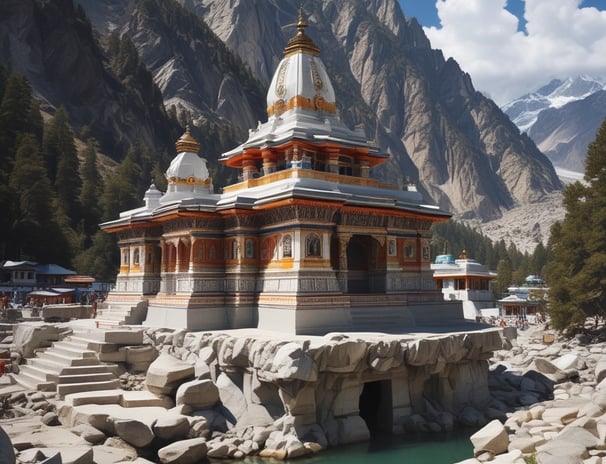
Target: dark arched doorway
{"points": [[375, 407], [358, 263], [365, 265]]}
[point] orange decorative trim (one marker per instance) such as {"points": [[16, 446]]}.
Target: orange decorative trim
{"points": [[318, 103], [189, 181]]}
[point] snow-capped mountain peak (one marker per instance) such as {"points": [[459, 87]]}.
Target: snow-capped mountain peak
{"points": [[523, 111]]}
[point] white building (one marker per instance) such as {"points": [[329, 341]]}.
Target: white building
{"points": [[465, 280]]}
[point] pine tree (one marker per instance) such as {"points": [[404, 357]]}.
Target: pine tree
{"points": [[92, 188], [15, 113], [504, 277], [33, 229], [122, 190], [63, 166], [577, 270], [100, 260]]}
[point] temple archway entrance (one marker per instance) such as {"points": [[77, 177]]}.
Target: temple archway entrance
{"points": [[376, 407], [365, 265]]}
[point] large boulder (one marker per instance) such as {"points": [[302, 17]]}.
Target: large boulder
{"points": [[28, 337], [134, 432], [184, 452], [171, 427], [199, 394], [232, 398], [290, 361], [7, 454], [343, 355], [492, 438], [166, 374]]}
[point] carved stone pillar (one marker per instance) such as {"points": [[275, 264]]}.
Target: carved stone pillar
{"points": [[163, 256], [364, 169], [269, 162], [333, 162], [342, 272], [248, 169]]}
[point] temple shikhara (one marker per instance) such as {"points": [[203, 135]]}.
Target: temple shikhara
{"points": [[306, 242]]}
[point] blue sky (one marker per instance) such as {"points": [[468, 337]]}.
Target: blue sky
{"points": [[512, 47]]}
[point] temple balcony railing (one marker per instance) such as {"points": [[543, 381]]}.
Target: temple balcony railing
{"points": [[293, 173]]}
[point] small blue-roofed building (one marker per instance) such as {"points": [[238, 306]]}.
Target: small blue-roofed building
{"points": [[465, 280]]}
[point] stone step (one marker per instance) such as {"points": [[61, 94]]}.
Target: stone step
{"points": [[105, 324], [85, 378], [65, 360], [73, 376], [93, 369], [45, 364], [32, 372], [67, 388], [60, 369], [112, 315], [70, 350], [34, 382], [126, 399], [96, 345], [119, 336], [139, 399]]}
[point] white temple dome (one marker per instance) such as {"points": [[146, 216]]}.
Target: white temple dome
{"points": [[301, 80], [187, 175]]}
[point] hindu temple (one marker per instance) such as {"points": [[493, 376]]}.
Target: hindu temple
{"points": [[306, 242]]}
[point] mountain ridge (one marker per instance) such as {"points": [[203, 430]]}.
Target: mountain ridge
{"points": [[562, 118], [459, 148]]}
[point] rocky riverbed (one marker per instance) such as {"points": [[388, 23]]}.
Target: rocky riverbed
{"points": [[569, 426], [547, 403]]}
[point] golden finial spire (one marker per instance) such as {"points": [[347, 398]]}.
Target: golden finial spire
{"points": [[301, 42], [187, 143]]}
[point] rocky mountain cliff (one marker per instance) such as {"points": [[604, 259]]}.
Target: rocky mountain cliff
{"points": [[564, 134], [463, 151], [562, 118], [212, 60], [52, 44]]}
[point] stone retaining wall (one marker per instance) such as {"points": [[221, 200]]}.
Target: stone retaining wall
{"points": [[345, 385]]}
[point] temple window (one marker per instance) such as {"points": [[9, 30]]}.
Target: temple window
{"points": [[125, 257], [136, 257], [234, 249], [426, 252], [391, 248], [410, 251], [198, 251], [345, 165], [287, 246], [313, 245], [250, 248]]}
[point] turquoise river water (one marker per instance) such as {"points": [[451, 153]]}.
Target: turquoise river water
{"points": [[444, 448]]}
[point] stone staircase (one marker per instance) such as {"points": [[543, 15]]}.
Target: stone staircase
{"points": [[114, 314], [82, 362], [381, 319]]}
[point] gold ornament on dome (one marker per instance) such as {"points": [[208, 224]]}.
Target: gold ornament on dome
{"points": [[301, 42], [187, 143], [318, 103], [280, 81], [190, 181], [315, 75]]}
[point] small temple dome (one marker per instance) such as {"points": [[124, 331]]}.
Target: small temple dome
{"points": [[301, 80], [187, 175], [152, 197]]}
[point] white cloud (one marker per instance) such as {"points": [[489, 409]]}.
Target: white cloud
{"points": [[562, 39]]}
